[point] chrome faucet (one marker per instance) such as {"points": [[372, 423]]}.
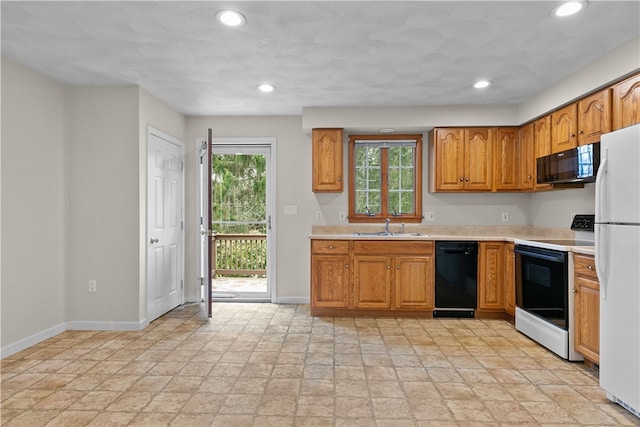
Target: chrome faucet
{"points": [[386, 225]]}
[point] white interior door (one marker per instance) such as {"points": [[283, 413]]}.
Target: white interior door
{"points": [[165, 279]]}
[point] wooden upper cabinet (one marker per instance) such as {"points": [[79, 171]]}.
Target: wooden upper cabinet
{"points": [[449, 159], [506, 160], [626, 103], [478, 159], [327, 160], [542, 136], [463, 159], [564, 128], [527, 158], [594, 117]]}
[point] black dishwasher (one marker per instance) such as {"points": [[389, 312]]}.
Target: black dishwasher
{"points": [[456, 279]]}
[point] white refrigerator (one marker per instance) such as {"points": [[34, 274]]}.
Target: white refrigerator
{"points": [[617, 246]]}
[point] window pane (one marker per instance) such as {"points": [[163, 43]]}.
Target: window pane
{"points": [[367, 179], [401, 180]]}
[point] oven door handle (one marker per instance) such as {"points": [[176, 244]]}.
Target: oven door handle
{"points": [[533, 254]]}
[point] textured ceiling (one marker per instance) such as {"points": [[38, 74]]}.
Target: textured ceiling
{"points": [[318, 54]]}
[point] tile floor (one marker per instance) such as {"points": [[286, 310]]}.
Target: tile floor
{"points": [[274, 365]]}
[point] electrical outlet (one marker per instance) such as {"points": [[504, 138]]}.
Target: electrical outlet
{"points": [[505, 216], [318, 216], [430, 216], [93, 286], [343, 216]]}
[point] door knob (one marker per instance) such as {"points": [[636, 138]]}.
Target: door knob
{"points": [[152, 241]]}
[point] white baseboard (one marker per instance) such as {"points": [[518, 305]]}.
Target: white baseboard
{"points": [[34, 339], [291, 300], [80, 325], [192, 298]]}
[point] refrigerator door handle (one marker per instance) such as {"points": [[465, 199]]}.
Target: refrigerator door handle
{"points": [[600, 258], [600, 179]]}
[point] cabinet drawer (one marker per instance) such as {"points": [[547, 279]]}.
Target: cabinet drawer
{"points": [[330, 246], [584, 265], [393, 247]]}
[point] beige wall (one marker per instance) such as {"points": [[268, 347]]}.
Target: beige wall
{"points": [[33, 205], [103, 204]]}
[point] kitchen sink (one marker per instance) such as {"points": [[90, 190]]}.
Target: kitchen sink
{"points": [[389, 234]]}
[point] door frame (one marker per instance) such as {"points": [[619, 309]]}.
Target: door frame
{"points": [[271, 203], [172, 140]]}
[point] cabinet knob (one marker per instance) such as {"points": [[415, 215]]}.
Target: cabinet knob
{"points": [[388, 267], [580, 132], [397, 267], [467, 179], [572, 135], [530, 177], [330, 247], [462, 178], [346, 266], [339, 178], [590, 267], [575, 291]]}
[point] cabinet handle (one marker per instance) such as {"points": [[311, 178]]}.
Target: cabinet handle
{"points": [[575, 291]]}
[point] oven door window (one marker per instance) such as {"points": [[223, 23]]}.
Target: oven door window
{"points": [[542, 288]]}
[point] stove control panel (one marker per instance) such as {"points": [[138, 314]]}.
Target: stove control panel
{"points": [[583, 222]]}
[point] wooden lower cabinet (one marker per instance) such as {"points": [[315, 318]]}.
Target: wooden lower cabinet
{"points": [[330, 273], [586, 307], [491, 272], [372, 277], [372, 281], [414, 283], [510, 280]]}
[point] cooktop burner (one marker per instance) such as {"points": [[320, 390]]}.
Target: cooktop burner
{"points": [[566, 242]]}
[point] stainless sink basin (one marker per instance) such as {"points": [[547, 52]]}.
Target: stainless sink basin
{"points": [[385, 234]]}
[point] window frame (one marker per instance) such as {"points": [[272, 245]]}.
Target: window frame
{"points": [[416, 217]]}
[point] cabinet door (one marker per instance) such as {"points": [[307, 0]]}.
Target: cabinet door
{"points": [[372, 281], [327, 160], [626, 103], [587, 317], [510, 279], [527, 158], [506, 163], [542, 143], [491, 276], [330, 281], [449, 162], [594, 117], [542, 136], [414, 282], [478, 159], [564, 128]]}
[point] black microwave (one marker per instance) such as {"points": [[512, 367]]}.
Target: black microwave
{"points": [[571, 166]]}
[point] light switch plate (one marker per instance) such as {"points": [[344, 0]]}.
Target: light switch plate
{"points": [[291, 210]]}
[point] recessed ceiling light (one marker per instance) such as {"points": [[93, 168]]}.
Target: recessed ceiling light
{"points": [[568, 8], [481, 84], [386, 130], [266, 87], [230, 18]]}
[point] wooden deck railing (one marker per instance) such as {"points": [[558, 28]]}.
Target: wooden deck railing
{"points": [[239, 254]]}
